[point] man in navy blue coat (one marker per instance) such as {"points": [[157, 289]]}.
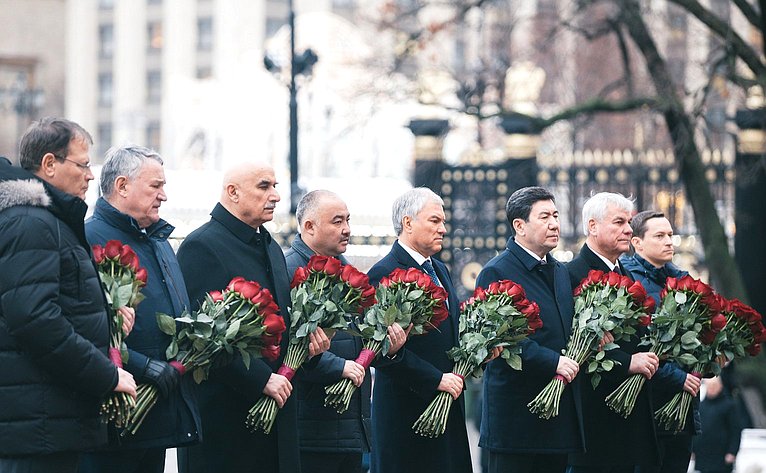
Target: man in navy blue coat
{"points": [[407, 382], [613, 444], [517, 440]]}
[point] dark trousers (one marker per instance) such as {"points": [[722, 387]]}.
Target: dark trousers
{"points": [[53, 463], [147, 460], [674, 452], [317, 462], [526, 463]]}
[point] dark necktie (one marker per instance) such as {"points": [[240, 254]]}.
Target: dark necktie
{"points": [[429, 268]]}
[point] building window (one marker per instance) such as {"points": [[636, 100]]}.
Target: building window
{"points": [[153, 87], [154, 36], [105, 41], [204, 34], [153, 135], [104, 139], [105, 90]]}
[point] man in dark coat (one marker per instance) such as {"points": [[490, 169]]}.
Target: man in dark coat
{"points": [[331, 442], [715, 449], [132, 186], [408, 381], [651, 265], [235, 243], [516, 439], [613, 444], [54, 330]]}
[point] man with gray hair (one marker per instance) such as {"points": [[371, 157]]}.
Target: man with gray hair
{"points": [[132, 183], [606, 224], [407, 382]]}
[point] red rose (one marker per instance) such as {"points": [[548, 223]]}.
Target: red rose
{"points": [[424, 281], [317, 263], [112, 249], [332, 266], [354, 277], [493, 288], [369, 293], [247, 289], [534, 324], [235, 280], [439, 293], [440, 315], [663, 293], [645, 320], [270, 352], [577, 291], [754, 349], [625, 282], [717, 323], [397, 275], [127, 256], [479, 294], [385, 282], [532, 311], [300, 275], [412, 275], [142, 275], [263, 298], [613, 279], [217, 296], [707, 336], [759, 332], [649, 305], [98, 254], [594, 276], [671, 283], [686, 283], [514, 291], [637, 292], [275, 326]]}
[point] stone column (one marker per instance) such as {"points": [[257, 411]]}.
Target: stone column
{"points": [[750, 194], [429, 143]]}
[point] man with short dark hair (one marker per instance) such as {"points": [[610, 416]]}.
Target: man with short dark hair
{"points": [[606, 224], [331, 442], [651, 264], [518, 440], [54, 330], [132, 187]]}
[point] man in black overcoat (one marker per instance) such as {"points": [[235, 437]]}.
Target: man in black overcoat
{"points": [[408, 381], [613, 444], [235, 243], [516, 439]]}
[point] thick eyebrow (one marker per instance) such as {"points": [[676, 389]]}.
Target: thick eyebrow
{"points": [[268, 182]]}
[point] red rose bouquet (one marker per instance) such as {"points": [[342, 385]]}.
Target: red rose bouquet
{"points": [[734, 331], [403, 297], [243, 319], [324, 294], [501, 316], [604, 302], [680, 332], [122, 278]]}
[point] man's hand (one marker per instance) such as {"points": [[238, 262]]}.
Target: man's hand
{"points": [[692, 384], [730, 458], [494, 353], [318, 342], [397, 336], [163, 376], [279, 388], [606, 339], [451, 384], [125, 383], [128, 318], [644, 363], [568, 368], [353, 371]]}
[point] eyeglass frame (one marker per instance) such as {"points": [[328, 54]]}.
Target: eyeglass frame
{"points": [[84, 167]]}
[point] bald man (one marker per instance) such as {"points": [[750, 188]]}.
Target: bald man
{"points": [[235, 243]]}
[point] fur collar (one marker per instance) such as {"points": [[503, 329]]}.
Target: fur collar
{"points": [[23, 192]]}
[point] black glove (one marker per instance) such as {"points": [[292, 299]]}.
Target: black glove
{"points": [[163, 376]]}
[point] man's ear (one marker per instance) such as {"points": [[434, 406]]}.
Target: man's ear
{"points": [[308, 227], [120, 186], [407, 224], [592, 226], [518, 226], [232, 192], [637, 243], [48, 165]]}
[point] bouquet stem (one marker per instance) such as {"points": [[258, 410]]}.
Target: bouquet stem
{"points": [[623, 399], [339, 393], [262, 415], [433, 422], [546, 404], [146, 398], [672, 416]]}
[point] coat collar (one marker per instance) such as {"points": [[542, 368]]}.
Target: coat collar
{"points": [[526, 259], [237, 227], [300, 247], [108, 213]]}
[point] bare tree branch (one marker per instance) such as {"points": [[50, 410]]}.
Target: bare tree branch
{"points": [[748, 12]]}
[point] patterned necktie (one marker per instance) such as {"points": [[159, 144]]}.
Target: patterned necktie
{"points": [[429, 268]]}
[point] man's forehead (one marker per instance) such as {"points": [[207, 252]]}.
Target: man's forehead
{"points": [[544, 206]]}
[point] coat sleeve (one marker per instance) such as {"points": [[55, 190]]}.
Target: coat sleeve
{"points": [[203, 271], [29, 296], [328, 369], [418, 374]]}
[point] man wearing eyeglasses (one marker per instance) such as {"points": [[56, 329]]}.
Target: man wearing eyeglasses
{"points": [[54, 330]]}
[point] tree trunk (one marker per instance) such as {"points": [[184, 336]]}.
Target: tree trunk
{"points": [[723, 268]]}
